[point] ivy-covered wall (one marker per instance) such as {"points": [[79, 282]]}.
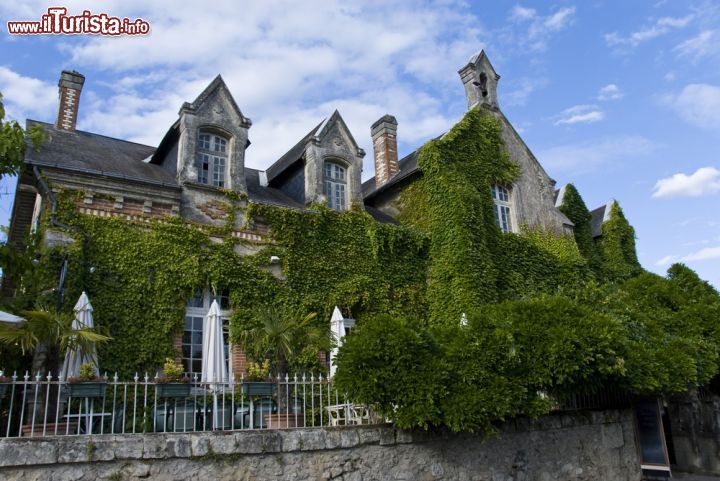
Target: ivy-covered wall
{"points": [[138, 275], [447, 257]]}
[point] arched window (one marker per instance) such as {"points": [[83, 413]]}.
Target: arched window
{"points": [[211, 159], [501, 199], [335, 185]]}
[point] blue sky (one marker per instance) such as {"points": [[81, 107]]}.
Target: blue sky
{"points": [[620, 98]]}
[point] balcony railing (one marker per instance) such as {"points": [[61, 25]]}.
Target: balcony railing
{"points": [[45, 406]]}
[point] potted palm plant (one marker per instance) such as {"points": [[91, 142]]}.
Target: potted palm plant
{"points": [[285, 337], [88, 384], [172, 383]]}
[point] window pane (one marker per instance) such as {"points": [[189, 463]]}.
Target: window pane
{"points": [[198, 323], [197, 338], [218, 171], [204, 141], [220, 144]]}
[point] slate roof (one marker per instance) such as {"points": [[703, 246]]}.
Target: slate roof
{"points": [[267, 195], [597, 219], [97, 154], [291, 156], [408, 167]]}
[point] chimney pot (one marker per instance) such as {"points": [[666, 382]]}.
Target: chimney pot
{"points": [[70, 86], [384, 136]]}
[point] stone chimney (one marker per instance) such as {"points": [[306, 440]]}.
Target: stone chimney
{"points": [[384, 136], [70, 84]]}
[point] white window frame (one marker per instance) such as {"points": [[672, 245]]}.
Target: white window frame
{"points": [[502, 205], [335, 185], [196, 309], [212, 151]]}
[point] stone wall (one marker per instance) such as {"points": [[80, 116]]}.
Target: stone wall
{"points": [[583, 446], [695, 428]]}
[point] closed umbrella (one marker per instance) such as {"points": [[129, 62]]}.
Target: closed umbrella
{"points": [[74, 358], [214, 367], [10, 318], [337, 326]]}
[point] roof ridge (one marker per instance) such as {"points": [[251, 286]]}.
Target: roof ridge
{"points": [[90, 133]]}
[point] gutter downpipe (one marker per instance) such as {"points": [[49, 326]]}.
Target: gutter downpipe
{"points": [[53, 221]]}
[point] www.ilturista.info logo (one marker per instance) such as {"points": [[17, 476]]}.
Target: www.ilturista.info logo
{"points": [[57, 21]]}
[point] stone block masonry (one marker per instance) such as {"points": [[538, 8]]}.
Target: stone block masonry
{"points": [[592, 446]]}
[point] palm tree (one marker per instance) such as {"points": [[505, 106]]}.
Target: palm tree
{"points": [[48, 334], [284, 336]]}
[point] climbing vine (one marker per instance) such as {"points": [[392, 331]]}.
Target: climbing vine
{"points": [[576, 210], [617, 247]]}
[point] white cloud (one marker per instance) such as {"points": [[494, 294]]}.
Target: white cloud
{"points": [[702, 182], [660, 27], [537, 29], [610, 92], [26, 97], [706, 44], [697, 104], [525, 88], [704, 254], [522, 13], [584, 157], [288, 65], [666, 261], [580, 114]]}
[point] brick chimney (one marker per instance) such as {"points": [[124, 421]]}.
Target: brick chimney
{"points": [[70, 84], [384, 136]]}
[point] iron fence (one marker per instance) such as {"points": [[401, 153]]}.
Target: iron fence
{"points": [[46, 406]]}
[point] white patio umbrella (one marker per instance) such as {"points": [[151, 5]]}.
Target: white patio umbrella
{"points": [[74, 358], [337, 326], [10, 318], [214, 367]]}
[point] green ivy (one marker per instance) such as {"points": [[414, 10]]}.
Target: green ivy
{"points": [[617, 247], [575, 209]]}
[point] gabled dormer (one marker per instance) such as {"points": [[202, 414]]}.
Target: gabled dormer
{"points": [[325, 166], [206, 146]]}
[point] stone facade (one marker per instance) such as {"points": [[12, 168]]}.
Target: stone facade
{"points": [[695, 429], [590, 446]]}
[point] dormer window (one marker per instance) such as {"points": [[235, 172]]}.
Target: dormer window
{"points": [[211, 159], [335, 185], [502, 205]]}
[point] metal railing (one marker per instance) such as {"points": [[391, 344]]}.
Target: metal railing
{"points": [[32, 406]]}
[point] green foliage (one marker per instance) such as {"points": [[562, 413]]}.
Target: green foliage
{"points": [[575, 209], [617, 247], [346, 259], [258, 371], [458, 172], [172, 370], [87, 372], [468, 377], [670, 341], [12, 143], [50, 328], [286, 337]]}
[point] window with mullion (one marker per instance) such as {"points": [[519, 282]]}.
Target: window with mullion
{"points": [[211, 159], [335, 186], [502, 207], [196, 309]]}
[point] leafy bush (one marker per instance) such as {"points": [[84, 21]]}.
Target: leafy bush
{"points": [[468, 377]]}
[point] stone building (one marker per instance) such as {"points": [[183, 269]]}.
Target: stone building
{"points": [[202, 158]]}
